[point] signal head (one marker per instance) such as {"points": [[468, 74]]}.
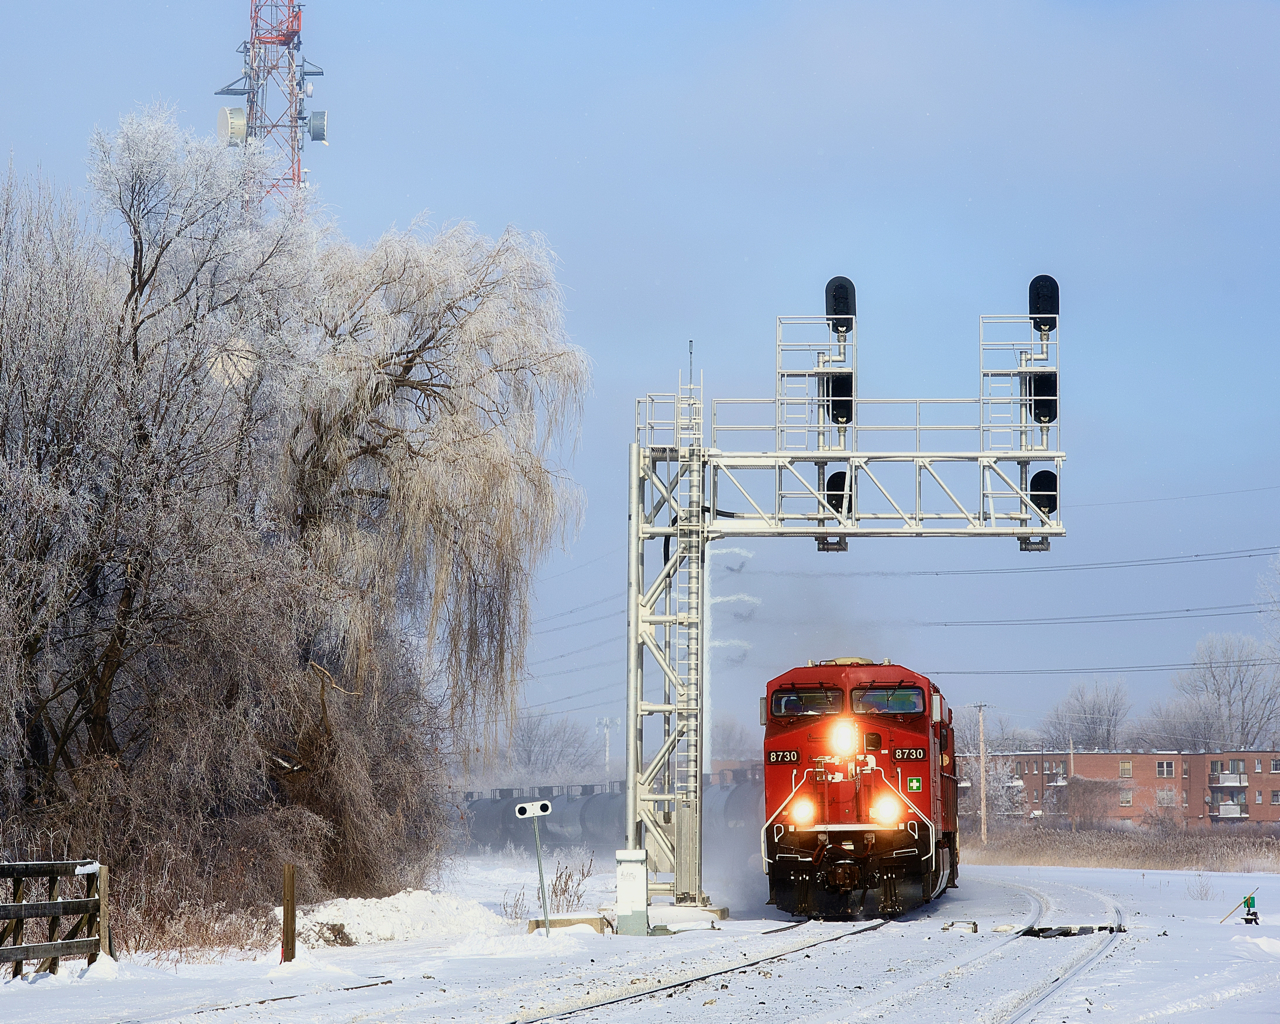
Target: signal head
{"points": [[835, 490], [1042, 303], [1044, 491], [533, 809], [1044, 397], [842, 304]]}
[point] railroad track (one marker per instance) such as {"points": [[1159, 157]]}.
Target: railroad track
{"points": [[922, 986], [1027, 1010], [695, 979]]}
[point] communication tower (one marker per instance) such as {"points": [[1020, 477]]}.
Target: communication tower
{"points": [[275, 86]]}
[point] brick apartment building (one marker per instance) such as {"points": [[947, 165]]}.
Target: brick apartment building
{"points": [[1200, 790]]}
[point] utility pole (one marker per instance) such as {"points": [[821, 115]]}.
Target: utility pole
{"points": [[982, 767], [1071, 774], [607, 724]]}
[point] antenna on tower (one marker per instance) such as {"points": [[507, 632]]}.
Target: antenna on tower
{"points": [[275, 84]]}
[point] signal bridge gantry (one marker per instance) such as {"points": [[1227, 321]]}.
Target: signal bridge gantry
{"points": [[819, 461]]}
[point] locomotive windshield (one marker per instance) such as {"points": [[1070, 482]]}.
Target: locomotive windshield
{"points": [[903, 700], [808, 702]]}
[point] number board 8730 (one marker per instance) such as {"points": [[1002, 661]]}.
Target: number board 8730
{"points": [[910, 754]]}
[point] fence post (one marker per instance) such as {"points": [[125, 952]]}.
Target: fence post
{"points": [[93, 885], [104, 919], [19, 884], [54, 922], [287, 942]]}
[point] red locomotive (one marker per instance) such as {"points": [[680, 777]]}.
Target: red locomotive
{"points": [[859, 785]]}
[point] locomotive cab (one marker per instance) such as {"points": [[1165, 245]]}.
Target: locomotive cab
{"points": [[860, 787]]}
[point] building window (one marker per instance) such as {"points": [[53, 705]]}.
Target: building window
{"points": [[1164, 769], [1126, 770], [1216, 767], [1126, 798], [1275, 796], [1035, 768], [1257, 764], [1258, 796], [1184, 769], [1035, 796], [1237, 767], [1184, 798], [1018, 770], [1166, 797], [1275, 764]]}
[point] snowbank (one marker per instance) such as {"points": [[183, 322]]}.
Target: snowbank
{"points": [[412, 914], [1261, 948]]}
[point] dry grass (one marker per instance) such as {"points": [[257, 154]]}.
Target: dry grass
{"points": [[567, 891], [1143, 849], [192, 933], [1201, 888], [515, 908]]}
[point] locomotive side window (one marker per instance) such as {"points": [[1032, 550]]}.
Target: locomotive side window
{"points": [[808, 702], [903, 700], [873, 742]]}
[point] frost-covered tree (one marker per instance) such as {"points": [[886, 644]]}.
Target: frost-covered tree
{"points": [[1091, 716], [272, 506]]}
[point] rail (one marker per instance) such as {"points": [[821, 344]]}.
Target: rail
{"points": [[88, 932]]}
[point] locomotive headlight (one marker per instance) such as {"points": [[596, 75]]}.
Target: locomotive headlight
{"points": [[802, 811], [844, 738], [887, 810]]}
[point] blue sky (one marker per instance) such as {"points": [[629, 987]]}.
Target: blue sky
{"points": [[702, 168]]}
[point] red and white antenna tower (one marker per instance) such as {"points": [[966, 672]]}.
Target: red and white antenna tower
{"points": [[275, 85]]}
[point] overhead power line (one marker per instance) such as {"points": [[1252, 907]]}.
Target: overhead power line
{"points": [[1176, 497], [617, 595], [1208, 612], [579, 650], [1180, 666], [1128, 563], [583, 622], [581, 668]]}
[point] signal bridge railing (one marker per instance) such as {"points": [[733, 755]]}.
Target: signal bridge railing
{"points": [[880, 425], [82, 920]]}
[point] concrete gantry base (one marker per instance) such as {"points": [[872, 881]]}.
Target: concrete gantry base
{"points": [[596, 922], [632, 905]]}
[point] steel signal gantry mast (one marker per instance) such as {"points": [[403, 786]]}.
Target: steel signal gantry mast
{"points": [[275, 86], [818, 461]]}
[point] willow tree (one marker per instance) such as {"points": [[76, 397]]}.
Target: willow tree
{"points": [[436, 379], [273, 505]]}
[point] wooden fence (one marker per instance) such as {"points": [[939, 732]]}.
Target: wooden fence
{"points": [[88, 930]]}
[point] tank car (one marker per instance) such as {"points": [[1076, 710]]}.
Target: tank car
{"points": [[860, 788]]}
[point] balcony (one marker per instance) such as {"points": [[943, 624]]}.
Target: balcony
{"points": [[1230, 811], [1237, 781]]}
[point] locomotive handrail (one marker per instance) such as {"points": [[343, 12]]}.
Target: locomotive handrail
{"points": [[764, 850]]}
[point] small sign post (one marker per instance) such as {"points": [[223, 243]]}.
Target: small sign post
{"points": [[288, 940], [536, 809]]}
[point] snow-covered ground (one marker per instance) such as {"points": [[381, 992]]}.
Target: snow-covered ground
{"points": [[452, 956]]}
